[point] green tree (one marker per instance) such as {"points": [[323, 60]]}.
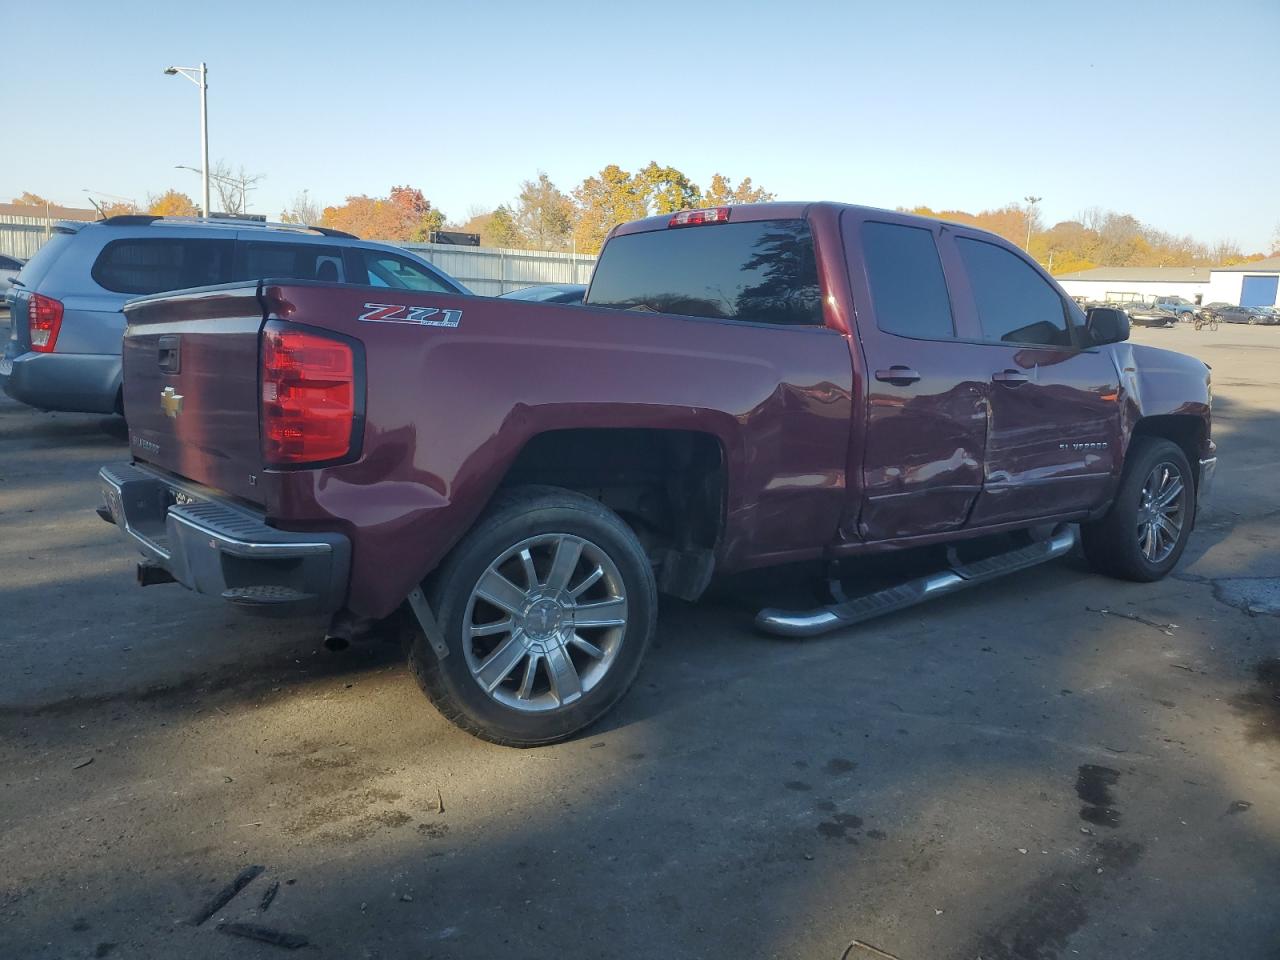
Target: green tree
{"points": [[722, 192], [543, 216], [666, 189]]}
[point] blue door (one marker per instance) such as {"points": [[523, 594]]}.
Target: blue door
{"points": [[1259, 291]]}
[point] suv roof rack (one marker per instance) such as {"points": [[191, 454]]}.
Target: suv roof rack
{"points": [[145, 219]]}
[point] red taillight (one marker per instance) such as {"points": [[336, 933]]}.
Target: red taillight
{"points": [[44, 320], [691, 218], [308, 397]]}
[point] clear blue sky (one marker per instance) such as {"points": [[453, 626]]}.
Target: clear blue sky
{"points": [[1166, 110]]}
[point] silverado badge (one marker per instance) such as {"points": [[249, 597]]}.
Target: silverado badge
{"points": [[170, 402]]}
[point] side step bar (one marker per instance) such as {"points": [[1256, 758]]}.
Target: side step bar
{"points": [[811, 623]]}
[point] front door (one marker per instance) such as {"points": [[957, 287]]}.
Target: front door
{"points": [[921, 456], [1053, 437]]}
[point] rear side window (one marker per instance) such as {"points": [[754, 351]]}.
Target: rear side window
{"points": [[157, 264], [1015, 304], [760, 272], [291, 261], [908, 289], [399, 273]]}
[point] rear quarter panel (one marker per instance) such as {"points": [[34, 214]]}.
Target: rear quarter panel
{"points": [[449, 408]]}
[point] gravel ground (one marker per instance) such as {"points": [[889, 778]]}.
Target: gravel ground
{"points": [[1050, 766]]}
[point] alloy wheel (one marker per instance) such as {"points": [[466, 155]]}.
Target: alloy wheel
{"points": [[544, 622], [1161, 512]]}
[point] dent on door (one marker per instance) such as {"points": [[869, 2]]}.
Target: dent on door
{"points": [[1053, 434]]}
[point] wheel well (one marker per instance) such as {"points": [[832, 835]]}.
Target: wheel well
{"points": [[1187, 432], [668, 485]]}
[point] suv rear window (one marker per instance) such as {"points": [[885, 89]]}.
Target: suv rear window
{"points": [[760, 272], [155, 265]]}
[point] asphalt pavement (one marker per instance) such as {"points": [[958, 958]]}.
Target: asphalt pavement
{"points": [[1051, 766]]}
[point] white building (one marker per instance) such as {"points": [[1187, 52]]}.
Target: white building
{"points": [[1254, 284], [1120, 284]]}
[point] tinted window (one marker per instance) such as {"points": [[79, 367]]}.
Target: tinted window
{"points": [[9, 263], [764, 272], [291, 261], [156, 264], [1015, 304], [907, 287], [388, 270]]}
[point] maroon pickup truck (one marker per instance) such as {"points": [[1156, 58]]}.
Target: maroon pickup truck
{"points": [[515, 483]]}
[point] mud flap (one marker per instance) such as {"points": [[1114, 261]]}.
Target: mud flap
{"points": [[427, 620]]}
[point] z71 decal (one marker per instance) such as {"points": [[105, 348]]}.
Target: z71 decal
{"points": [[399, 313]]}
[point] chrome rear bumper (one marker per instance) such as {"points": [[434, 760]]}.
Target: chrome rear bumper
{"points": [[215, 546]]}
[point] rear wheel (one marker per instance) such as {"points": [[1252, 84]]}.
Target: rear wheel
{"points": [[1144, 533], [547, 608]]}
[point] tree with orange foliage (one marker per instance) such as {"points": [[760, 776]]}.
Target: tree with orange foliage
{"points": [[404, 215], [171, 203]]}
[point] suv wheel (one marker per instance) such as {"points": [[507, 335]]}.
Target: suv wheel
{"points": [[547, 606], [1144, 533]]}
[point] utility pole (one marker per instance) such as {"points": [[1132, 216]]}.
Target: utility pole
{"points": [[1031, 206], [199, 76]]}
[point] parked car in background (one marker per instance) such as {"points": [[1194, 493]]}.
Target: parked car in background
{"points": [[1148, 315], [550, 293], [1183, 309], [514, 483], [63, 351], [1267, 315], [1231, 313], [9, 267]]}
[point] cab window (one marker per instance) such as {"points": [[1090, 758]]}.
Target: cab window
{"points": [[1015, 303], [908, 290]]}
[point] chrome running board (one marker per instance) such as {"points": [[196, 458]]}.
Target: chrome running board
{"points": [[958, 576]]}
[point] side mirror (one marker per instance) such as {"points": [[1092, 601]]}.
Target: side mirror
{"points": [[1107, 325]]}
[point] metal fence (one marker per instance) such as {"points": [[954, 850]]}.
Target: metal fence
{"points": [[23, 236], [488, 271]]}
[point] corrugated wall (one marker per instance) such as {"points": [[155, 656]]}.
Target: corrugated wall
{"points": [[488, 271], [23, 236]]}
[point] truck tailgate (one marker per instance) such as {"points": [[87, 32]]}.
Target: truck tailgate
{"points": [[191, 386]]}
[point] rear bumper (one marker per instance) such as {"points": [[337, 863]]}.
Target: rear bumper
{"points": [[74, 382], [214, 546]]}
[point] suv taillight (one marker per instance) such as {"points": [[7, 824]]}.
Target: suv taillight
{"points": [[44, 320], [309, 397]]}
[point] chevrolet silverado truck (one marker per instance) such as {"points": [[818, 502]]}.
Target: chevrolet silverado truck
{"points": [[513, 484]]}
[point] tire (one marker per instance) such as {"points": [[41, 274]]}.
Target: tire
{"points": [[1253, 321], [1118, 544], [486, 685]]}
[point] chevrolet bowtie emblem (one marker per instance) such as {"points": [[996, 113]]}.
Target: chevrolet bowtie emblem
{"points": [[170, 402]]}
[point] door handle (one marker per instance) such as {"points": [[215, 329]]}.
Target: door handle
{"points": [[898, 375], [1009, 376]]}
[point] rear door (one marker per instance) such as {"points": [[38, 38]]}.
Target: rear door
{"points": [[922, 458], [1053, 437]]}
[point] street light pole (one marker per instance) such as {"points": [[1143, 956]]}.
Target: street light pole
{"points": [[1031, 206], [199, 76], [204, 135]]}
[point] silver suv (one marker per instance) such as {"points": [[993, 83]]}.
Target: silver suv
{"points": [[66, 323]]}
